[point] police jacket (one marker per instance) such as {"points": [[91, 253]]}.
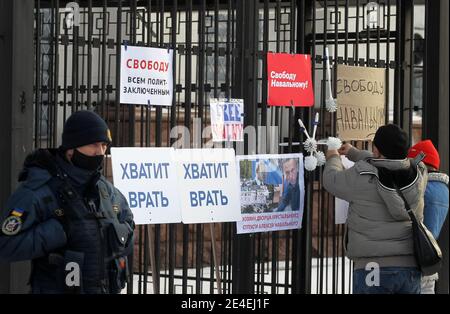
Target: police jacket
{"points": [[73, 224]]}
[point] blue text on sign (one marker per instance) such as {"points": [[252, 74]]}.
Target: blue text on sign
{"points": [[207, 170], [147, 170], [231, 112], [208, 198], [147, 199]]}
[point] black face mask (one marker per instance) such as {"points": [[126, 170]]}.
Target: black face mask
{"points": [[83, 161]]}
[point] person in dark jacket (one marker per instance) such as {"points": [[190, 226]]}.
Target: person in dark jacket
{"points": [[67, 218], [436, 199]]}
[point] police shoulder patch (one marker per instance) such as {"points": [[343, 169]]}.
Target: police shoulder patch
{"points": [[12, 225]]}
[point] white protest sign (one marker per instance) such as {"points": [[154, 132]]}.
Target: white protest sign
{"points": [[146, 76], [147, 178], [272, 192], [208, 186], [227, 119], [341, 206]]}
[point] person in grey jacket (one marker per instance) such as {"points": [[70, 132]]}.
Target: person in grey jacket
{"points": [[378, 229]]}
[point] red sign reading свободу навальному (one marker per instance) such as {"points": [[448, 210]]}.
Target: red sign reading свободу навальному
{"points": [[289, 80]]}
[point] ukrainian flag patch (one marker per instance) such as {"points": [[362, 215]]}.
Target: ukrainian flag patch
{"points": [[18, 212]]}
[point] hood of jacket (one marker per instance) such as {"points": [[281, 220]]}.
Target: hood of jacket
{"points": [[408, 175], [438, 177], [40, 165]]}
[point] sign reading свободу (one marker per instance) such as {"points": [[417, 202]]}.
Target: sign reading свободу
{"points": [[146, 76], [289, 80], [361, 102]]}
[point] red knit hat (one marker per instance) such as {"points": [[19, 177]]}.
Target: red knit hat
{"points": [[431, 154]]}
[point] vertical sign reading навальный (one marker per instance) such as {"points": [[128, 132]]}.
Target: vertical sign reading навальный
{"points": [[147, 178], [146, 76], [289, 80], [361, 102]]}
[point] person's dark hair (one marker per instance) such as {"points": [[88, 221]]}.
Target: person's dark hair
{"points": [[391, 141], [283, 161]]}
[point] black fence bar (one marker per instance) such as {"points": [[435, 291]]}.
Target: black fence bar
{"points": [[89, 55], [356, 48], [55, 76], [388, 60], [398, 62], [334, 232], [405, 16], [172, 241], [37, 87], [296, 235], [187, 123], [306, 232]]}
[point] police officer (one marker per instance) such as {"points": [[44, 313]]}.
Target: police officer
{"points": [[67, 218]]}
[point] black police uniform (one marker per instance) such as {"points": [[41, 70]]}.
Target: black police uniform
{"points": [[72, 223]]}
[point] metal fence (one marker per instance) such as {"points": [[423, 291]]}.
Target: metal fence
{"points": [[220, 50]]}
